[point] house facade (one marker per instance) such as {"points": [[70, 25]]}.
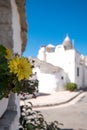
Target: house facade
{"points": [[68, 59], [51, 78]]}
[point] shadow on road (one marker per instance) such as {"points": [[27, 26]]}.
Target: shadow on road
{"points": [[44, 94], [83, 89], [67, 129]]}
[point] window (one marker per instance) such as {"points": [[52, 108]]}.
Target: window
{"points": [[77, 71], [62, 77]]}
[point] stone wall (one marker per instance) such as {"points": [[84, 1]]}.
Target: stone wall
{"points": [[22, 12], [5, 24], [6, 30]]}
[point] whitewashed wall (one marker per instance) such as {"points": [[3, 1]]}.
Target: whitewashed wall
{"points": [[56, 58], [85, 77], [16, 29], [49, 83], [78, 79], [69, 61], [65, 60], [69, 68], [60, 81], [42, 54]]}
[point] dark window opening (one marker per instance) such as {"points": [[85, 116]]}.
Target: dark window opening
{"points": [[62, 77], [77, 71]]}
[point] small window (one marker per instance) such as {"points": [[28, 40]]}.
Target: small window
{"points": [[35, 73], [77, 71], [62, 77]]}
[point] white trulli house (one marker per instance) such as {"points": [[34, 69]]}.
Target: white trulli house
{"points": [[51, 78], [68, 63]]}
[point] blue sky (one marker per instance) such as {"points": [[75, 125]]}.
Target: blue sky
{"points": [[50, 20]]}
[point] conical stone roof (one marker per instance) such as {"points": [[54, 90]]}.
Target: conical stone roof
{"points": [[67, 43]]}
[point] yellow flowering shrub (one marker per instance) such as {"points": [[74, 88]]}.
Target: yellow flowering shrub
{"points": [[15, 72], [21, 67], [8, 53]]}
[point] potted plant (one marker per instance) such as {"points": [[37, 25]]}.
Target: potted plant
{"points": [[14, 75]]}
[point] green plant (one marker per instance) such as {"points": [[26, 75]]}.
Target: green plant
{"points": [[15, 72], [34, 120], [71, 86]]}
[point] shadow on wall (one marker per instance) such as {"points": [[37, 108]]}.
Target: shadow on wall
{"points": [[61, 85], [67, 79]]}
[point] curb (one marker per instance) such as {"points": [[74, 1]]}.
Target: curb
{"points": [[57, 104]]}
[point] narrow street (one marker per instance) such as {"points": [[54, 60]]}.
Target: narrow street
{"points": [[73, 117]]}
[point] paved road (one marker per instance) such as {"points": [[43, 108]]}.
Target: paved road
{"points": [[73, 117]]}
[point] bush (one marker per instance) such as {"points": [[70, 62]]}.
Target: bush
{"points": [[15, 71], [71, 86], [34, 120]]}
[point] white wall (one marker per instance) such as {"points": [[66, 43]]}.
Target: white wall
{"points": [[65, 60], [46, 82], [85, 76], [42, 54], [69, 67], [78, 79], [56, 58], [50, 82], [69, 61], [60, 81], [50, 58], [16, 29]]}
